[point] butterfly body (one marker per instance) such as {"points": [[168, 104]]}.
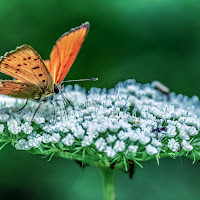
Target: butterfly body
{"points": [[37, 79]]}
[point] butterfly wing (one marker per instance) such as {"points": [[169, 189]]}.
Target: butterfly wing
{"points": [[47, 64], [19, 89], [65, 52], [25, 64]]}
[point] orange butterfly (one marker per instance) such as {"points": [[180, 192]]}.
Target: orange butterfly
{"points": [[38, 79]]}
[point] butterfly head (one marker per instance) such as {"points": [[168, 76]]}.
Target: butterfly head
{"points": [[57, 89]]}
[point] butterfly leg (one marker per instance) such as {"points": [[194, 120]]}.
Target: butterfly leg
{"points": [[65, 100], [61, 106], [54, 110], [36, 111], [23, 106]]}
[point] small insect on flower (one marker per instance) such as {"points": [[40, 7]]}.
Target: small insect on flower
{"points": [[161, 87], [37, 79]]}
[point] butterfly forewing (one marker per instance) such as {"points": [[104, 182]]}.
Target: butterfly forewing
{"points": [[25, 64], [19, 89], [65, 52]]}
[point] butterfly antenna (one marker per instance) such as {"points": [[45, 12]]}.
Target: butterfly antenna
{"points": [[91, 79]]}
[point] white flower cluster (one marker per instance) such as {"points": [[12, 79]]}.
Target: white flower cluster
{"points": [[131, 119]]}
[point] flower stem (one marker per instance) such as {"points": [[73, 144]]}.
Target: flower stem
{"points": [[108, 176]]}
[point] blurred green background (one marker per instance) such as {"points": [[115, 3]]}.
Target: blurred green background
{"points": [[141, 39]]}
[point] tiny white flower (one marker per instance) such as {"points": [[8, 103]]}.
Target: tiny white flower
{"points": [[22, 144], [68, 140], [133, 148], [108, 103], [110, 152], [111, 138], [173, 145], [12, 122], [119, 146], [27, 128], [151, 150], [124, 125], [55, 138], [192, 131], [27, 117], [134, 135], [183, 135], [14, 129], [4, 117], [35, 142], [144, 139], [93, 134], [78, 131], [100, 144], [87, 141], [48, 128], [122, 135], [39, 120], [171, 131], [46, 138], [186, 145], [63, 126], [156, 143], [114, 127]]}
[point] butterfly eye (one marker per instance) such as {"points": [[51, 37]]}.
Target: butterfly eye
{"points": [[56, 90]]}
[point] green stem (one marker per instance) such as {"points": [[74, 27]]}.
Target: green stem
{"points": [[108, 176], [79, 157]]}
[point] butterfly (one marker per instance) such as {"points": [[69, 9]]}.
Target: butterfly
{"points": [[37, 79]]}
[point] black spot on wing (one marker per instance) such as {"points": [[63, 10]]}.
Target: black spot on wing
{"points": [[37, 67]]}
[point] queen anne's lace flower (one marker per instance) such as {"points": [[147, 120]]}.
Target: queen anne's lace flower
{"points": [[130, 121]]}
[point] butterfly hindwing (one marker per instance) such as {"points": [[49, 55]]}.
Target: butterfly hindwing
{"points": [[19, 89], [65, 51], [25, 64]]}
